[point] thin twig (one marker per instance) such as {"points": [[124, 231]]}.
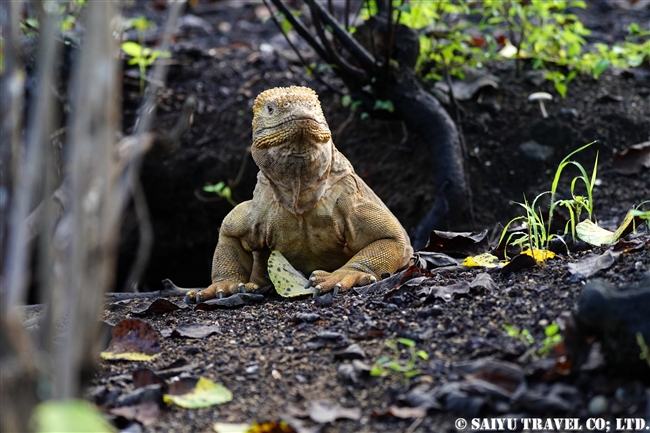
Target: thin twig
{"points": [[300, 28], [242, 168], [347, 15], [295, 49], [415, 425], [344, 65], [361, 55], [342, 126]]}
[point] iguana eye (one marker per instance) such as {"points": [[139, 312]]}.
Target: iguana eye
{"points": [[269, 109]]}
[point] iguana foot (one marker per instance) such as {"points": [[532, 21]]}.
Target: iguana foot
{"points": [[340, 280], [220, 289]]}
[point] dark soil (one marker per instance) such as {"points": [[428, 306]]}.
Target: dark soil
{"points": [[261, 353]]}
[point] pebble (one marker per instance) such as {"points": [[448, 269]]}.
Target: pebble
{"points": [[570, 112], [391, 308], [324, 301], [598, 405]]}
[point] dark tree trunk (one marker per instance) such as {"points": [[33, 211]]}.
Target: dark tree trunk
{"points": [[424, 115]]}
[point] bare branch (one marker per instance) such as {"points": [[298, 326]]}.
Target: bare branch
{"points": [[29, 184], [344, 65], [300, 28], [364, 58]]}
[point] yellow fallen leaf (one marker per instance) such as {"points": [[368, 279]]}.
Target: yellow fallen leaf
{"points": [[288, 282], [222, 427], [132, 340], [591, 233], [485, 260], [204, 394], [127, 356], [539, 255]]}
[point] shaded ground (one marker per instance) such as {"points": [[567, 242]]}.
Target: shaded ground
{"points": [[261, 353]]}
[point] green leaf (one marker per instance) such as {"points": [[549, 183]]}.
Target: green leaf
{"points": [[422, 354], [411, 373], [383, 359], [216, 188], [406, 342], [346, 100], [395, 366], [376, 370], [384, 105], [561, 88], [600, 67], [635, 61], [68, 416], [286, 26], [131, 48], [551, 330], [404, 8]]}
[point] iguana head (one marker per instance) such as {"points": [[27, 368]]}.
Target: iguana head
{"points": [[292, 146], [285, 115]]}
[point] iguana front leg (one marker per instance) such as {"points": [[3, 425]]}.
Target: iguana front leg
{"points": [[365, 267], [232, 263], [381, 244]]}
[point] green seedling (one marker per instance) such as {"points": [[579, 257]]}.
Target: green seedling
{"points": [[552, 338], [143, 57], [539, 232], [385, 365], [522, 335], [642, 214], [222, 190], [577, 202]]}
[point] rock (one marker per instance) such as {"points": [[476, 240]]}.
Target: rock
{"points": [[598, 405], [537, 77], [536, 151], [324, 301], [571, 113], [614, 316], [391, 308]]}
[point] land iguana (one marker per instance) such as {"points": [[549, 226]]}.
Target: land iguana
{"points": [[308, 203]]}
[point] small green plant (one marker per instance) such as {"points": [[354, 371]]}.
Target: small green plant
{"points": [[143, 57], [385, 365], [577, 202], [552, 338], [539, 231], [222, 190], [544, 32], [522, 335], [645, 350], [642, 214]]}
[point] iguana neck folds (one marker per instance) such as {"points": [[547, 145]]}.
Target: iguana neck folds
{"points": [[293, 148]]}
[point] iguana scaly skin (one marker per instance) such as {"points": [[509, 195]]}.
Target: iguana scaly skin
{"points": [[309, 204]]}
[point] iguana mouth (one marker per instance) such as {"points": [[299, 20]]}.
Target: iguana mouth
{"points": [[296, 119]]}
